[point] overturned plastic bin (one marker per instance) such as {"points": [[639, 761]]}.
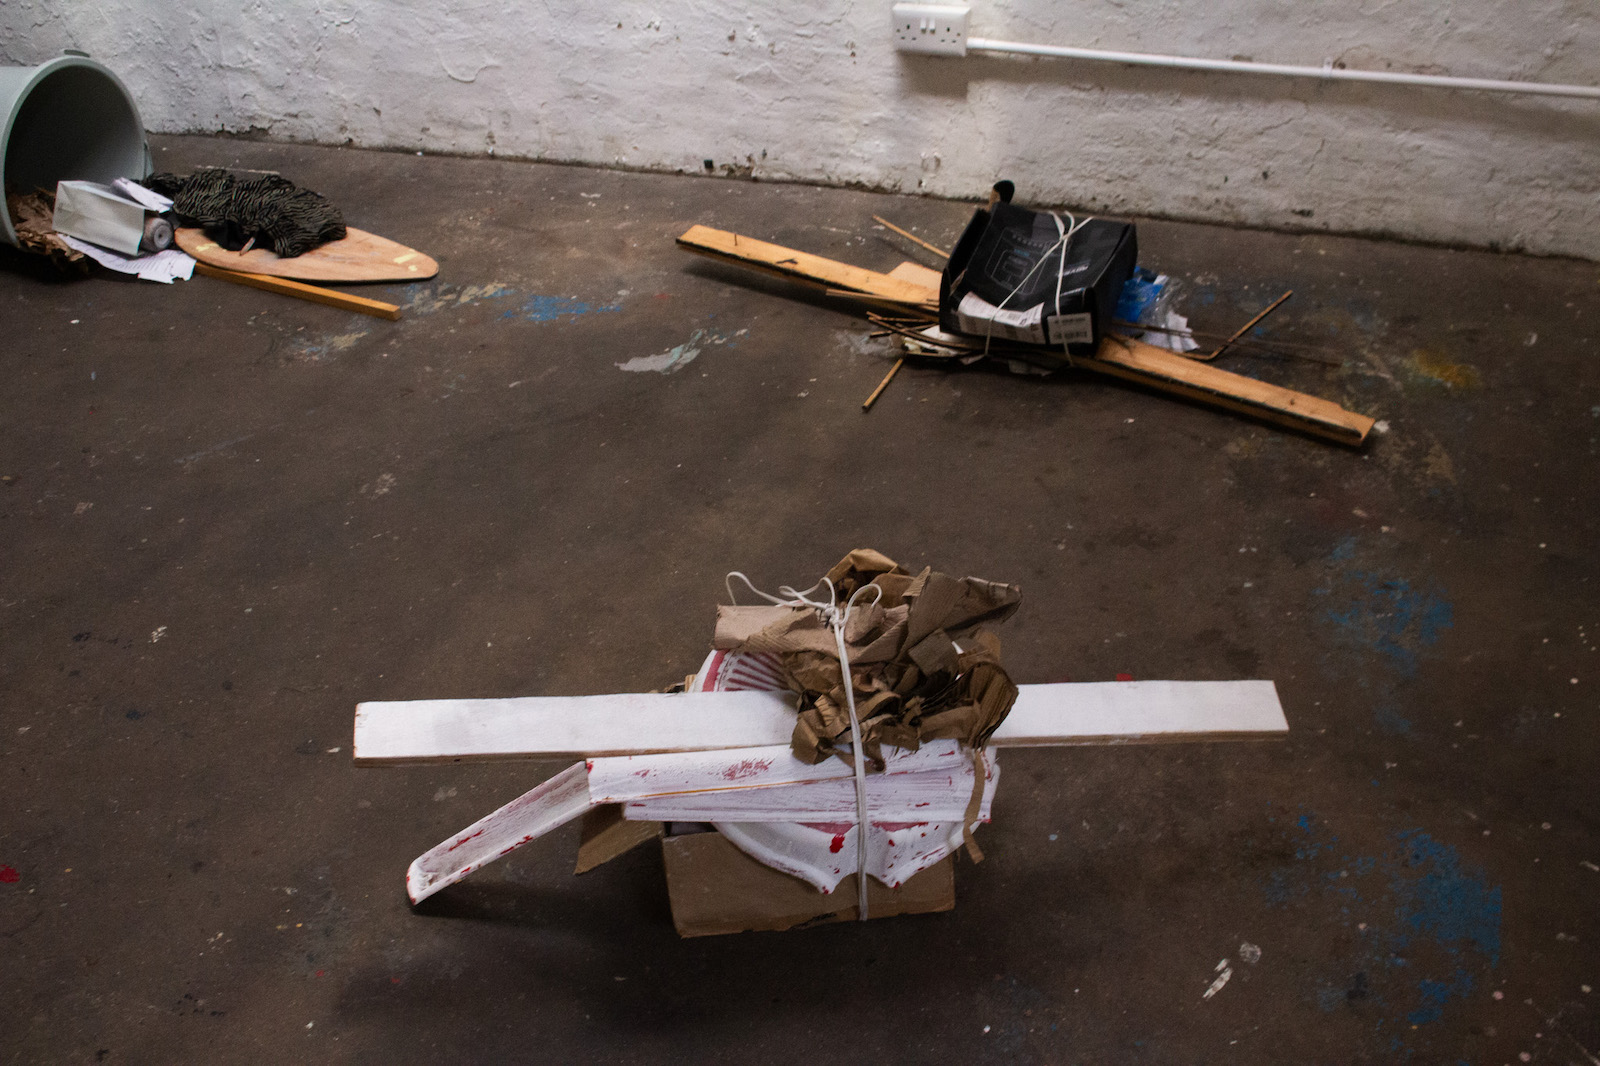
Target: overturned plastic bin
{"points": [[67, 118]]}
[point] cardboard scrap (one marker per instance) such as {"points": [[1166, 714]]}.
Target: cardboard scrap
{"points": [[605, 834], [32, 219], [715, 888]]}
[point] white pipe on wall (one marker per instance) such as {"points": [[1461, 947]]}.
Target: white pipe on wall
{"points": [[1235, 66]]}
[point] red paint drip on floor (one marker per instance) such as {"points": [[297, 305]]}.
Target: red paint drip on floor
{"points": [[838, 841], [1124, 677], [10, 876]]}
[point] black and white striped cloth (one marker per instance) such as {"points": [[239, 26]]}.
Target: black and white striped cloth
{"points": [[266, 212]]}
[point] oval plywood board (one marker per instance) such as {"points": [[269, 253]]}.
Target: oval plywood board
{"points": [[360, 256]]}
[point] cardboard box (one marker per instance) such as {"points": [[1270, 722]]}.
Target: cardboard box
{"points": [[716, 888]]}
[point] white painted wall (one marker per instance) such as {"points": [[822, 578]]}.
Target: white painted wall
{"points": [[812, 91]]}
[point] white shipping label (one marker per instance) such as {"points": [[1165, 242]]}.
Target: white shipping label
{"points": [[1072, 329], [979, 317]]}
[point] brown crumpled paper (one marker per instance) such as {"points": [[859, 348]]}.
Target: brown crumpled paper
{"points": [[33, 219], [921, 663]]}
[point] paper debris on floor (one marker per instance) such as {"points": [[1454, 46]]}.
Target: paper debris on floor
{"points": [[166, 267]]}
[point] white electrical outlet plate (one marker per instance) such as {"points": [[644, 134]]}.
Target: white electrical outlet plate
{"points": [[937, 29]]}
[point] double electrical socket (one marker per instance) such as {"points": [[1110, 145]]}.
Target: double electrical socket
{"points": [[938, 29]]}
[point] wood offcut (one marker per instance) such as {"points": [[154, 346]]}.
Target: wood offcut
{"points": [[331, 297], [358, 257], [803, 267]]}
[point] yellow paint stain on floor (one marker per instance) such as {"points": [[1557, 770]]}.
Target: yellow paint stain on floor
{"points": [[1436, 366], [1436, 464]]}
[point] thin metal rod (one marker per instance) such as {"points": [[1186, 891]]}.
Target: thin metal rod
{"points": [[1208, 335], [940, 252], [1248, 326], [1234, 66]]}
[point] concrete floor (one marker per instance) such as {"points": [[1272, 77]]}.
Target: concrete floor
{"points": [[228, 516]]}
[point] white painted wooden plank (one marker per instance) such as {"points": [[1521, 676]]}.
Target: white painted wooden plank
{"points": [[1113, 712], [626, 778], [936, 796], [1123, 712], [539, 726], [528, 817]]}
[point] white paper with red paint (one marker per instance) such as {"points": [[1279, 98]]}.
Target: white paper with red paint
{"points": [[938, 795], [914, 820]]}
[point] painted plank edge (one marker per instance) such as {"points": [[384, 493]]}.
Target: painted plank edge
{"points": [[576, 726]]}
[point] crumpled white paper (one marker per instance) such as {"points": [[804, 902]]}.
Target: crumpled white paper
{"points": [[165, 267]]}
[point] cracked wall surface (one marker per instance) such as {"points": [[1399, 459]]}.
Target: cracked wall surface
{"points": [[814, 92]]}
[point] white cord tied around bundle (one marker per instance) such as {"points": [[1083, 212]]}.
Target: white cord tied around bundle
{"points": [[837, 619], [1064, 234]]}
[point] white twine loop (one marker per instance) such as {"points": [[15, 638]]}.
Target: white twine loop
{"points": [[1064, 234], [837, 618]]}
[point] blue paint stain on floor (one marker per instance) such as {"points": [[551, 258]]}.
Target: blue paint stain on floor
{"points": [[1395, 620], [1426, 925], [1391, 721], [1442, 900], [541, 308], [1389, 616], [1397, 617]]}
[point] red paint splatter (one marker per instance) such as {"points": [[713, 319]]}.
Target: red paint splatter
{"points": [[668, 296], [396, 980], [747, 768], [324, 973], [646, 773], [10, 876], [479, 833], [838, 842], [1124, 677]]}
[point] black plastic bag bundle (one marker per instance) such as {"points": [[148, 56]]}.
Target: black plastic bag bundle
{"points": [[1036, 277]]}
